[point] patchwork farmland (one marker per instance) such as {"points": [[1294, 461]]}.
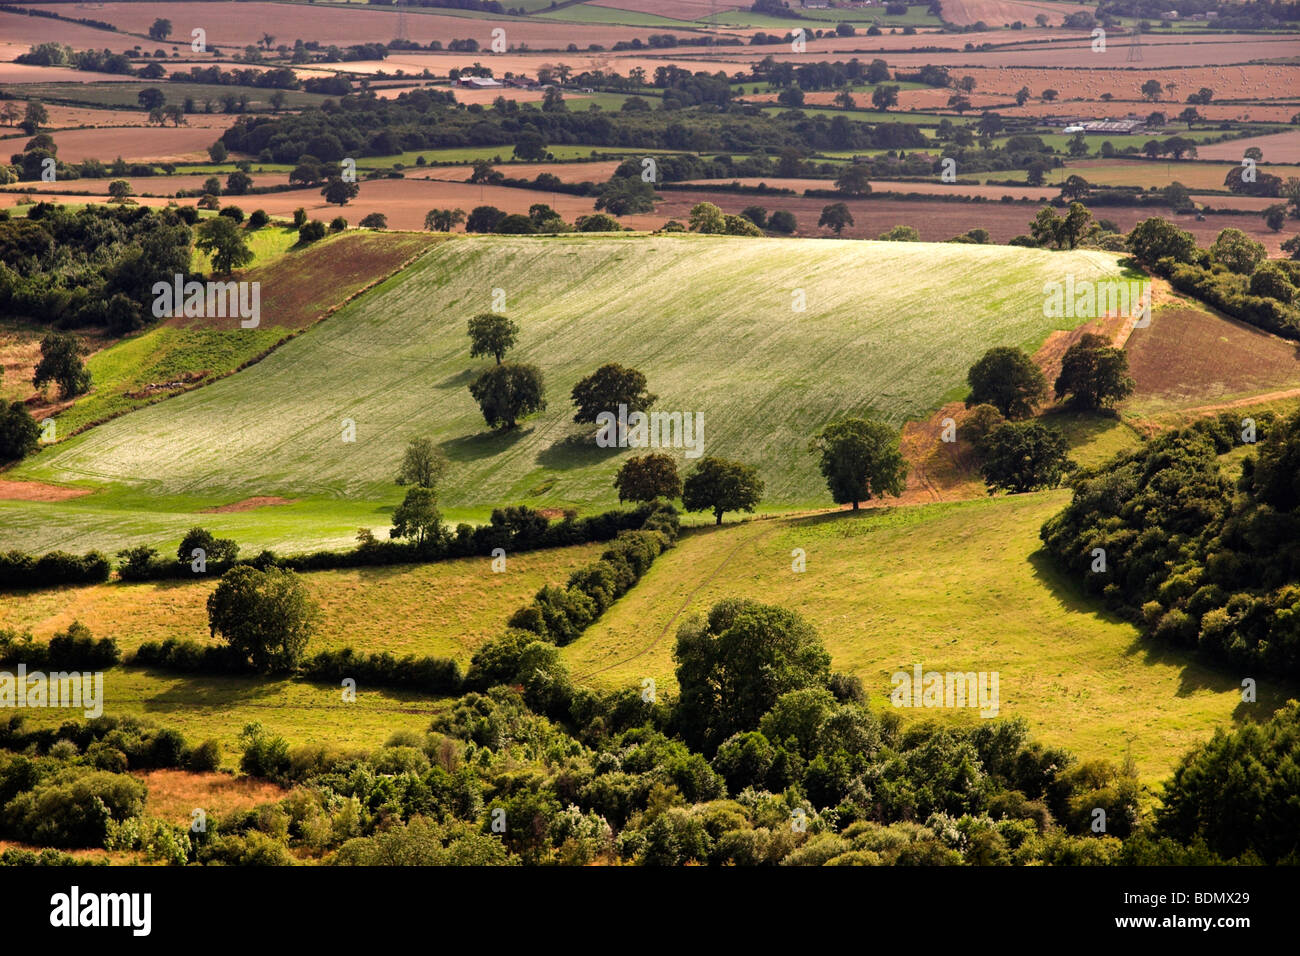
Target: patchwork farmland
{"points": [[606, 432]]}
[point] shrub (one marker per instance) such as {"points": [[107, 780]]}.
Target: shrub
{"points": [[206, 757], [20, 570], [74, 808], [311, 232], [264, 754]]}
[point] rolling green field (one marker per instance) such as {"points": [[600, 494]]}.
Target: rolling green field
{"points": [[127, 373], [958, 586], [124, 94], [587, 13], [445, 609], [709, 320]]}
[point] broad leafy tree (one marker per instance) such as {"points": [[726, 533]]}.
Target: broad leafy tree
{"points": [[608, 387], [1094, 373], [1007, 379], [1236, 250], [61, 363], [719, 485], [1023, 456], [266, 616], [507, 392], [338, 191], [417, 517], [19, 433], [224, 242], [214, 549], [423, 465], [733, 666], [1154, 239], [860, 460], [647, 477], [836, 216], [443, 220], [491, 334]]}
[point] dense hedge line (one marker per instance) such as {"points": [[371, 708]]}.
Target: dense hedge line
{"points": [[190, 657], [434, 675], [514, 529], [19, 571], [560, 615], [1229, 292], [73, 649], [1195, 561]]}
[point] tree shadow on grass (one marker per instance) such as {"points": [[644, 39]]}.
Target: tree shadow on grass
{"points": [[576, 450], [219, 691], [1194, 675], [484, 444], [460, 380], [1068, 591]]}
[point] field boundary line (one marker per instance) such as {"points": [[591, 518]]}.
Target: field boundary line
{"points": [[678, 613], [248, 363]]}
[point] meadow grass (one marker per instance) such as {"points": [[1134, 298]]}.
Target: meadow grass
{"points": [[960, 586], [888, 332], [442, 609]]}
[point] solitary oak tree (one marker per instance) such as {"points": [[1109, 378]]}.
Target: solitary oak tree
{"points": [[491, 334], [719, 485], [860, 460]]}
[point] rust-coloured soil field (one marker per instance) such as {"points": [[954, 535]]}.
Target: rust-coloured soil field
{"points": [[1191, 357], [20, 32], [593, 172], [528, 63], [1119, 108], [1089, 82], [405, 201], [75, 117], [37, 491], [929, 100], [883, 185], [1277, 148], [12, 73], [239, 24], [300, 287], [937, 221], [1005, 12], [165, 186], [175, 144], [1158, 173], [1207, 51]]}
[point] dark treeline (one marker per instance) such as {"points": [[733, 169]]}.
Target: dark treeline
{"points": [[514, 529], [92, 267], [364, 126], [1201, 563]]}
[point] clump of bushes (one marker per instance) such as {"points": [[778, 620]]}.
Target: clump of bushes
{"points": [[71, 649], [560, 615], [19, 570]]}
